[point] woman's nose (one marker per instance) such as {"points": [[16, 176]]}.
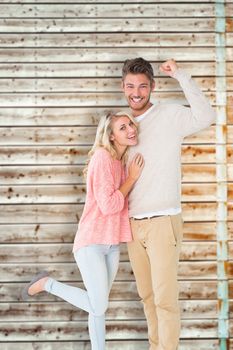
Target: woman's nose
{"points": [[131, 128]]}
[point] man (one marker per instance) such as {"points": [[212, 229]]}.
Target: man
{"points": [[154, 203]]}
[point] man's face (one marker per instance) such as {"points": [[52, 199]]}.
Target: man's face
{"points": [[137, 89]]}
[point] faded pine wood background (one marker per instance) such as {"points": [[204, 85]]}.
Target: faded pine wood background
{"points": [[60, 68]]}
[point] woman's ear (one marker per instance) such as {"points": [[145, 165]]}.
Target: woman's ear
{"points": [[112, 137]]}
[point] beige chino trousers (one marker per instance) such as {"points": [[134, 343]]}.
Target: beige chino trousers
{"points": [[154, 255]]}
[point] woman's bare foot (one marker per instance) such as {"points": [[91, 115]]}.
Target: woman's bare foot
{"points": [[38, 286]]}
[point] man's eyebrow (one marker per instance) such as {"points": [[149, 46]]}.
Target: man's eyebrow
{"points": [[139, 84]]}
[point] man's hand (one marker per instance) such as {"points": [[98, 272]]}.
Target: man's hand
{"points": [[169, 67]]}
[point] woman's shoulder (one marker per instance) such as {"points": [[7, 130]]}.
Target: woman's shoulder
{"points": [[101, 154]]}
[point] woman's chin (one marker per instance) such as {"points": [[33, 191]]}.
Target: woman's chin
{"points": [[133, 142]]}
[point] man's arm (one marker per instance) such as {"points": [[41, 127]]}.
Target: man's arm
{"points": [[200, 115]]}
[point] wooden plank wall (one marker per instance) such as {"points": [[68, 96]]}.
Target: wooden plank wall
{"points": [[60, 68]]}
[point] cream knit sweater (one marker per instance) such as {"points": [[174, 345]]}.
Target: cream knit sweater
{"points": [[161, 132]]}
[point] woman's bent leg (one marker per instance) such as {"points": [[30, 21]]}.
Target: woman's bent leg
{"points": [[75, 296], [93, 267]]}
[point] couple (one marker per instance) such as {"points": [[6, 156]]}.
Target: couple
{"points": [[153, 178]]}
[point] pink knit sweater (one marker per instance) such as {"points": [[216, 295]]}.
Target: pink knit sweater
{"points": [[105, 217]]}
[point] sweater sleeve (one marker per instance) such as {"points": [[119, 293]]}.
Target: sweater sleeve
{"points": [[200, 114], [109, 199]]}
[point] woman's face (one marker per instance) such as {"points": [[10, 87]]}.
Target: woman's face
{"points": [[124, 132]]}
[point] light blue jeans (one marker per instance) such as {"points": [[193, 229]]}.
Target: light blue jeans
{"points": [[98, 265]]}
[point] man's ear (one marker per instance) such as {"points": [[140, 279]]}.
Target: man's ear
{"points": [[153, 85], [122, 85]]}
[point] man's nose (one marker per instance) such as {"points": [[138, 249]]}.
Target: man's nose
{"points": [[136, 91]]}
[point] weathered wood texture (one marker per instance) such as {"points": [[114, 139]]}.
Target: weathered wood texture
{"points": [[60, 70]]}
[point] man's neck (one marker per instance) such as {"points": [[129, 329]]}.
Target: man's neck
{"points": [[136, 113]]}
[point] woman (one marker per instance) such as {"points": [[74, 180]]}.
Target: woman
{"points": [[103, 225]]}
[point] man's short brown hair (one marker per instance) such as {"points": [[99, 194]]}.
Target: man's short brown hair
{"points": [[138, 66]]}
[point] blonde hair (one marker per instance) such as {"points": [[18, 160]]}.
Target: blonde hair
{"points": [[103, 134]]}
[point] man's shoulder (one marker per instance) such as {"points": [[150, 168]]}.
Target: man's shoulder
{"points": [[166, 108]]}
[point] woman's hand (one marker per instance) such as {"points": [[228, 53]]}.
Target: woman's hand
{"points": [[134, 171], [136, 166]]}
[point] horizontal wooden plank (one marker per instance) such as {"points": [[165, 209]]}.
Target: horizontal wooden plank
{"points": [[230, 210], [229, 112], [42, 155], [95, 84], [43, 135], [230, 231], [76, 193], [229, 54], [74, 330], [229, 24], [57, 174], [230, 172], [229, 134], [81, 99], [230, 250], [52, 116], [199, 231], [230, 100], [201, 270], [64, 233], [69, 40], [193, 344], [189, 290], [81, 135], [230, 191], [43, 233], [69, 213], [199, 211], [117, 310], [195, 154], [229, 39], [73, 174], [107, 10], [229, 8], [231, 326], [115, 54], [97, 69], [197, 173], [229, 154], [62, 253], [107, 25]]}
